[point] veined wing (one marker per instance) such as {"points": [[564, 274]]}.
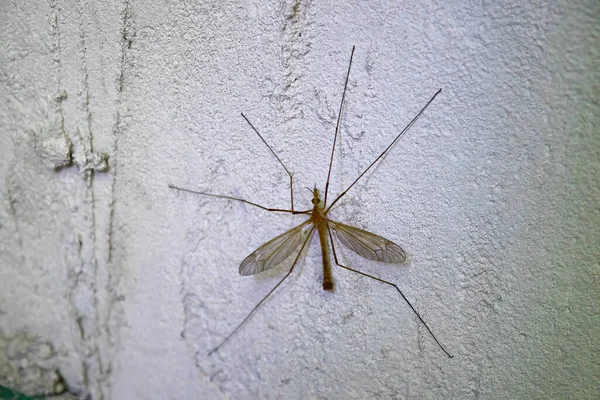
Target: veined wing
{"points": [[272, 253], [367, 244]]}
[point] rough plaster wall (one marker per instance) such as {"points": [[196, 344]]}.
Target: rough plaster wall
{"points": [[120, 286]]}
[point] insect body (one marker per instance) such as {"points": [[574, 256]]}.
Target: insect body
{"points": [[319, 220], [364, 243]]}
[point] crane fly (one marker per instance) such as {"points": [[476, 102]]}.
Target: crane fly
{"points": [[364, 243]]}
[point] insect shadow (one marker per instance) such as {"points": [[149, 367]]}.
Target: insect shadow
{"points": [[363, 243]]}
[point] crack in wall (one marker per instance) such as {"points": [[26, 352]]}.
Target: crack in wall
{"points": [[293, 50], [83, 292], [126, 44], [114, 299], [58, 60], [88, 172], [13, 211]]}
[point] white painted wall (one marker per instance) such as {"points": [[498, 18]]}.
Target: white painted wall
{"points": [[121, 286]]}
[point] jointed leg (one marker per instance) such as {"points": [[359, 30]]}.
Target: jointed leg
{"points": [[268, 294], [237, 199], [337, 126], [384, 151], [388, 283], [278, 159]]}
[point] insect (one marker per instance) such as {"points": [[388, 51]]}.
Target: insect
{"points": [[364, 243]]}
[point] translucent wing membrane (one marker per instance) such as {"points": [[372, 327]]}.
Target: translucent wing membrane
{"points": [[274, 252], [367, 244]]}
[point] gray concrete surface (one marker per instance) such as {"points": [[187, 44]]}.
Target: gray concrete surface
{"points": [[120, 286]]}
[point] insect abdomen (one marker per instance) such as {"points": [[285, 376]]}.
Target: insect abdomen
{"points": [[327, 278]]}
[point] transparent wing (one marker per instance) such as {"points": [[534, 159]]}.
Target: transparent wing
{"points": [[367, 244], [272, 253]]}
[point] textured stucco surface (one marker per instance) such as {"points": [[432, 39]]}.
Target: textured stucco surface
{"points": [[120, 286]]}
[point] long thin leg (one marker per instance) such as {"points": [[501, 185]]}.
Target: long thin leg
{"points": [[278, 159], [337, 127], [385, 151], [237, 199], [268, 294], [388, 283]]}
